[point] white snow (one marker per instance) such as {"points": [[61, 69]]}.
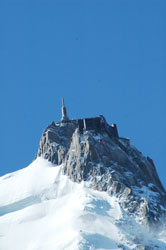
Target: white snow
{"points": [[41, 209]]}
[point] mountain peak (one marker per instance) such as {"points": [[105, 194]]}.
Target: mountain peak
{"points": [[88, 189], [91, 150]]}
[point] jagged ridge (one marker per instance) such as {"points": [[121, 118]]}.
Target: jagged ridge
{"points": [[110, 164]]}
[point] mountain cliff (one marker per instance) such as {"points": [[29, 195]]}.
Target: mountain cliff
{"points": [[87, 189], [94, 152]]}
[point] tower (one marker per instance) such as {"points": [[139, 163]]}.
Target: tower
{"points": [[64, 112]]}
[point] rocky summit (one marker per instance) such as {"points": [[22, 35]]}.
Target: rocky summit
{"points": [[91, 150], [87, 189]]}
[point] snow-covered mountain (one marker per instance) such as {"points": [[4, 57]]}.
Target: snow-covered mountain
{"points": [[87, 189]]}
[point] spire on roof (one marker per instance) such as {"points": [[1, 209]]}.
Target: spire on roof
{"points": [[64, 112]]}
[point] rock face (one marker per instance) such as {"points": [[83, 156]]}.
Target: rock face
{"points": [[110, 164]]}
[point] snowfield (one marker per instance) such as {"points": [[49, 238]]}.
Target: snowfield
{"points": [[41, 209]]}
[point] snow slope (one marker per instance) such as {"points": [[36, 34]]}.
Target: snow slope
{"points": [[41, 209]]}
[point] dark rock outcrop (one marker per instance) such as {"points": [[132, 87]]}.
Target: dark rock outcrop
{"points": [[110, 164]]}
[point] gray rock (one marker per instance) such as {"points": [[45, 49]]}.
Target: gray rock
{"points": [[113, 166]]}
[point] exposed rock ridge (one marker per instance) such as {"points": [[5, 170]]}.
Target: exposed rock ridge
{"points": [[109, 164]]}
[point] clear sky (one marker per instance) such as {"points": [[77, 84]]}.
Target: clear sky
{"points": [[103, 56]]}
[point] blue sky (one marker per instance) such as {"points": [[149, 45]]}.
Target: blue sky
{"points": [[104, 56]]}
